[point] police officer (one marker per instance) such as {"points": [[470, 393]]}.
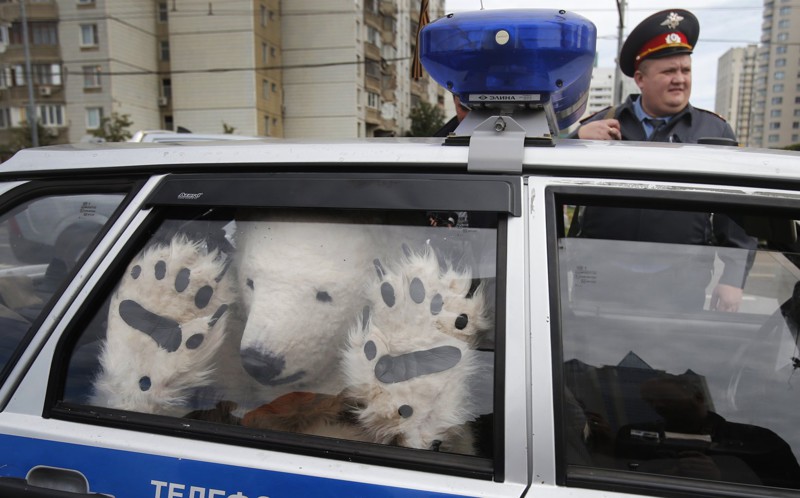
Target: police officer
{"points": [[657, 55]]}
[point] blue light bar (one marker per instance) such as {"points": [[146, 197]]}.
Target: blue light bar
{"points": [[521, 56]]}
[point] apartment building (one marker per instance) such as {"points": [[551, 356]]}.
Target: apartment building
{"points": [[775, 120], [734, 93], [347, 67], [292, 68]]}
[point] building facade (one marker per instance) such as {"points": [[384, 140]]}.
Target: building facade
{"points": [[775, 118], [734, 93], [296, 68]]}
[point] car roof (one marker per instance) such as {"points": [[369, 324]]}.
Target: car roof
{"points": [[412, 154]]}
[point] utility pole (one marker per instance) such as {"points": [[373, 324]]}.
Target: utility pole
{"points": [[29, 76], [621, 4]]}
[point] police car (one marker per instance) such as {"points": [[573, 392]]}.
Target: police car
{"points": [[398, 317]]}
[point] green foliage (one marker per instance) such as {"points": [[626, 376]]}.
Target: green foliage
{"points": [[792, 147], [426, 119], [228, 129], [114, 128]]}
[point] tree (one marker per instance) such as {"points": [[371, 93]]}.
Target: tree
{"points": [[114, 128], [21, 138], [228, 129], [426, 119]]}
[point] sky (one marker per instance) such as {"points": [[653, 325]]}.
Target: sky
{"points": [[723, 25]]}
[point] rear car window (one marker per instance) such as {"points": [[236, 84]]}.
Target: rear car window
{"points": [[368, 326], [679, 332], [42, 240]]}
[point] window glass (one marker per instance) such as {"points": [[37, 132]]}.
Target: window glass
{"points": [[367, 326], [41, 242], [679, 333]]}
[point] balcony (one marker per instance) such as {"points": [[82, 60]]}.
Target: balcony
{"points": [[388, 8]]}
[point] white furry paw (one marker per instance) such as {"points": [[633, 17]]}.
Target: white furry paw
{"points": [[409, 359], [166, 322]]}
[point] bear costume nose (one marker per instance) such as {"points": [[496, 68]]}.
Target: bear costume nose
{"points": [[266, 367], [263, 366]]}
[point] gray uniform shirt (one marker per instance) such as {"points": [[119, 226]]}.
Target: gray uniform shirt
{"points": [[687, 126]]}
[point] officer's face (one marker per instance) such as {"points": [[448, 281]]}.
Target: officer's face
{"points": [[665, 83]]}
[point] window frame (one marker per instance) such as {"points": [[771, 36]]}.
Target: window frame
{"points": [[678, 193], [361, 191], [38, 189], [93, 31]]}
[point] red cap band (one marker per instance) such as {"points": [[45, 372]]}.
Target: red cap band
{"points": [[660, 42]]}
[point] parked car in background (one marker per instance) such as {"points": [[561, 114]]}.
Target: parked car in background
{"points": [[165, 136]]}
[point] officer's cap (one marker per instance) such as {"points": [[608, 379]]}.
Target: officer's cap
{"points": [[665, 33]]}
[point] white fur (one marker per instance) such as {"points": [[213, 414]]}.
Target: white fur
{"points": [[289, 260], [129, 354], [440, 401]]}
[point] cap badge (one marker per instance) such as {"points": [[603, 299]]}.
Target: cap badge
{"points": [[672, 21], [673, 38]]}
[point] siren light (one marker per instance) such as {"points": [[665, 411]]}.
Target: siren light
{"points": [[531, 58]]}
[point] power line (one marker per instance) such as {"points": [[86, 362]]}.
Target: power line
{"points": [[146, 72]]}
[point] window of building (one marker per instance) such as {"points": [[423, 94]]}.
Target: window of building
{"points": [[264, 15], [274, 88], [266, 125], [373, 100], [169, 123], [272, 52], [774, 139], [777, 88], [779, 75], [775, 113], [780, 49], [5, 117], [264, 53], [777, 100], [775, 125], [89, 37], [94, 117], [783, 24], [797, 100], [163, 12], [780, 62], [795, 125], [45, 74], [44, 33], [166, 87], [51, 115], [85, 2], [91, 76], [783, 36], [373, 68], [784, 10], [265, 89], [163, 50]]}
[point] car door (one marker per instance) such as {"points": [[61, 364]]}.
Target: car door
{"points": [[288, 334], [675, 337]]}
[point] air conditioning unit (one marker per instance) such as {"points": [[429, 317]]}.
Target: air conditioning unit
{"points": [[45, 91], [163, 101]]}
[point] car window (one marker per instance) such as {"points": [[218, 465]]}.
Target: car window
{"points": [[370, 326], [42, 239], [679, 333]]}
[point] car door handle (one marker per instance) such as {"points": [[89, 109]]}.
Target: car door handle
{"points": [[48, 482]]}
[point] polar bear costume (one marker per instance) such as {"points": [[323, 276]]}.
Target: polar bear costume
{"points": [[166, 324], [301, 281]]}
